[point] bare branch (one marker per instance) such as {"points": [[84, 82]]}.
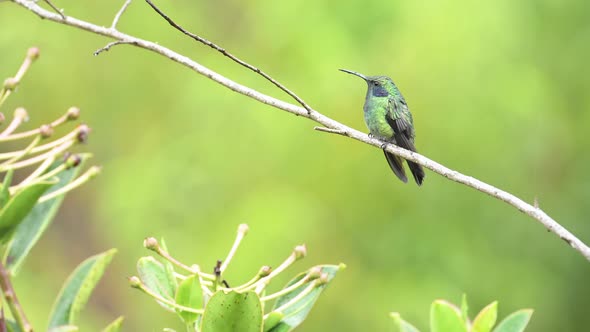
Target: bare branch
{"points": [[328, 123], [12, 301], [229, 55], [330, 130], [55, 9], [119, 14], [109, 45]]}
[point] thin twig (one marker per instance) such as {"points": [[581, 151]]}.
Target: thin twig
{"points": [[56, 9], [12, 301], [119, 14], [537, 214], [231, 56], [109, 45], [330, 130]]}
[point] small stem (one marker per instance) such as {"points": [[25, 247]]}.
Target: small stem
{"points": [[35, 174], [119, 14], [90, 173], [12, 301], [299, 296], [330, 130], [173, 260], [288, 262], [37, 131], [3, 327], [111, 44], [20, 115], [249, 283], [55, 9], [142, 287], [22, 153], [32, 161], [204, 283], [286, 290], [56, 123], [242, 231], [32, 55]]}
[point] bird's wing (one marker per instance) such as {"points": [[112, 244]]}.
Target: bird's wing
{"points": [[400, 119]]}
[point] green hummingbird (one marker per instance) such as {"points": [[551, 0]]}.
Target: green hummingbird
{"points": [[388, 118]]}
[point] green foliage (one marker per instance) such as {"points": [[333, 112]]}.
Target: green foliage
{"points": [[19, 206], [189, 295], [446, 317], [204, 302], [157, 279], [30, 230], [515, 322], [76, 291], [294, 314], [233, 312], [115, 326], [401, 325]]}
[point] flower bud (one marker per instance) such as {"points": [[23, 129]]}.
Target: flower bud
{"points": [[83, 131], [300, 251], [45, 131], [134, 282], [33, 53], [315, 272], [10, 83], [73, 113], [243, 228], [151, 243], [264, 271]]}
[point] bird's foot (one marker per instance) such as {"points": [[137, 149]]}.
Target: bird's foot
{"points": [[383, 146], [371, 135]]}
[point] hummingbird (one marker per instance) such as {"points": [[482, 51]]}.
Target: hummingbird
{"points": [[388, 118]]}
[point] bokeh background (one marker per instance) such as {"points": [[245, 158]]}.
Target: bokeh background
{"points": [[499, 90]]}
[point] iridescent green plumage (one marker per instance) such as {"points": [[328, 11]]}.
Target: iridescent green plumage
{"points": [[388, 118]]}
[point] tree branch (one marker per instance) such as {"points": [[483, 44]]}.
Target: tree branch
{"points": [[329, 125], [12, 301]]}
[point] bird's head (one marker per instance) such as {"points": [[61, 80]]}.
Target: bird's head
{"points": [[379, 86]]}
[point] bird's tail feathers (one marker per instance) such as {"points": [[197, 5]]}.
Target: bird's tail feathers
{"points": [[417, 172], [396, 164]]}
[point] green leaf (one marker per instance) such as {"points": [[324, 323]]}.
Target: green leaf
{"points": [[445, 317], [233, 312], [515, 322], [155, 277], [115, 326], [29, 231], [169, 266], [12, 326], [76, 291], [464, 308], [18, 206], [5, 191], [64, 328], [296, 313], [189, 295], [401, 325], [486, 318], [273, 319]]}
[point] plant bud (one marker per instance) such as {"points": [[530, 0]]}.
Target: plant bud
{"points": [[33, 53], [151, 243], [73, 113], [10, 83], [300, 251], [134, 282], [45, 131]]}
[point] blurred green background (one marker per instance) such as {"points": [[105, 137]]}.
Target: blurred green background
{"points": [[499, 90]]}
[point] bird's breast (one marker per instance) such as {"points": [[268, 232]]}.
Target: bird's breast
{"points": [[375, 118]]}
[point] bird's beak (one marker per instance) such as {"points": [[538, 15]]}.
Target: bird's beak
{"points": [[354, 73]]}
